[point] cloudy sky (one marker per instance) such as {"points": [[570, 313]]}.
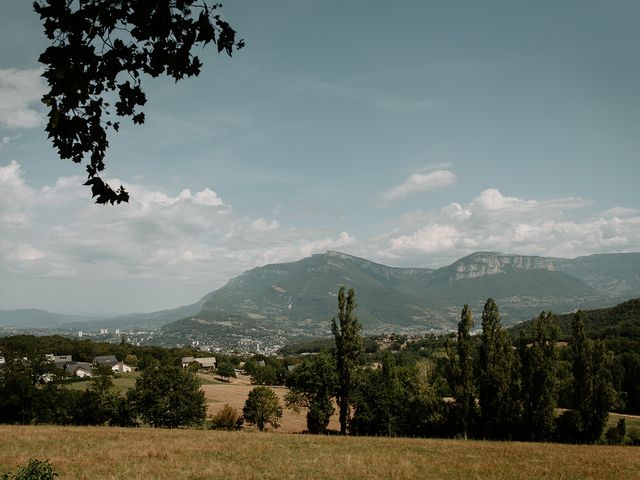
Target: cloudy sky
{"points": [[411, 133]]}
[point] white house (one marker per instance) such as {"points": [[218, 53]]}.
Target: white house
{"points": [[79, 369], [122, 367]]}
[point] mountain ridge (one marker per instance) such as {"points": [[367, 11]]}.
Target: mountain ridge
{"points": [[295, 299], [298, 299]]}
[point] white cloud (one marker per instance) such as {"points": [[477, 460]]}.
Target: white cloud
{"points": [[493, 221], [420, 182], [15, 195], [196, 240], [189, 236], [19, 91], [26, 252]]}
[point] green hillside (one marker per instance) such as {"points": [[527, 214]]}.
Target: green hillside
{"points": [[298, 299], [614, 324]]}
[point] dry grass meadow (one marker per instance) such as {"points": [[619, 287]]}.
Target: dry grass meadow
{"points": [[145, 453]]}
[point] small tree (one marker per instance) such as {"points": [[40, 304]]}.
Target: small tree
{"points": [[169, 397], [262, 407], [226, 371]]}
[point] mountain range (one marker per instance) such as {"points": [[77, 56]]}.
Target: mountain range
{"points": [[298, 299]]}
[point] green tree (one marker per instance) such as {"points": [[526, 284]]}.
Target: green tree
{"points": [[347, 333], [169, 397], [100, 49], [460, 372], [312, 386], [226, 371], [592, 387], [262, 408], [539, 377], [499, 407]]}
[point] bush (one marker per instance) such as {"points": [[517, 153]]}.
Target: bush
{"points": [[615, 435], [34, 470], [227, 419], [633, 436], [568, 427]]}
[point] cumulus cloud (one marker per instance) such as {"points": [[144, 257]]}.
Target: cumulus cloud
{"points": [[187, 236], [196, 240], [420, 182], [496, 222], [20, 90]]}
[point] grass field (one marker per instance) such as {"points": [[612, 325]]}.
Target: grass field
{"points": [[145, 453], [236, 394]]}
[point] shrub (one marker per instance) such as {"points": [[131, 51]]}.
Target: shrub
{"points": [[227, 419], [615, 435], [34, 470], [633, 436]]}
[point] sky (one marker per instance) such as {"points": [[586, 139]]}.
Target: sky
{"points": [[410, 133]]}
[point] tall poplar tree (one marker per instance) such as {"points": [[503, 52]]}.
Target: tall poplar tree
{"points": [[347, 332], [461, 370], [498, 407], [539, 378], [593, 392], [582, 374]]}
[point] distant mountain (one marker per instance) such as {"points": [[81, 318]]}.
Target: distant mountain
{"points": [[298, 299], [276, 303], [154, 319], [34, 318], [42, 319]]}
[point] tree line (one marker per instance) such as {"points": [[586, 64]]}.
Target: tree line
{"points": [[483, 386], [486, 386]]}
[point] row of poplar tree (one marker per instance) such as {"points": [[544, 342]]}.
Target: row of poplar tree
{"points": [[498, 389]]}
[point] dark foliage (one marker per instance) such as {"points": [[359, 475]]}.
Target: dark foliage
{"points": [[312, 385], [169, 397], [348, 335], [101, 49]]}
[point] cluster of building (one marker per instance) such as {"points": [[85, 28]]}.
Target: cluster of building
{"points": [[86, 369]]}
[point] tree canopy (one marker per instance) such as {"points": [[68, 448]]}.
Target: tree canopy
{"points": [[100, 50], [169, 397], [262, 407]]}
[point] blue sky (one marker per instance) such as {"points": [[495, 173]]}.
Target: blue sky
{"points": [[410, 133]]}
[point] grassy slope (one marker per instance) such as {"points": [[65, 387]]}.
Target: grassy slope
{"points": [[114, 453]]}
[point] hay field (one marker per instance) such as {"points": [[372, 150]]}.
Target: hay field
{"points": [[145, 453], [236, 394]]}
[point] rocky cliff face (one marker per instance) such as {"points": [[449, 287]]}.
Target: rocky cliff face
{"points": [[481, 264]]}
